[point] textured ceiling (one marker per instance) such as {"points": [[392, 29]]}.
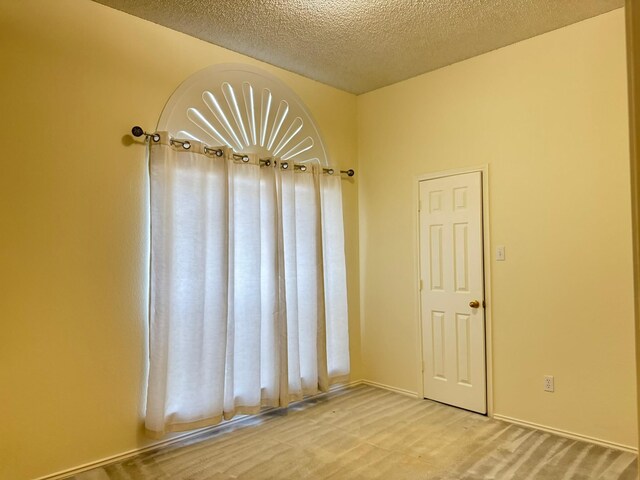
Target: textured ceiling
{"points": [[361, 45]]}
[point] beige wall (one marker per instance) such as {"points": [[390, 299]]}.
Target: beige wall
{"points": [[549, 117], [632, 13], [76, 76]]}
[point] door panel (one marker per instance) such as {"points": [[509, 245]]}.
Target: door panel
{"points": [[451, 271]]}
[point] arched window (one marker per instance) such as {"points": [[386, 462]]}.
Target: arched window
{"points": [[248, 303]]}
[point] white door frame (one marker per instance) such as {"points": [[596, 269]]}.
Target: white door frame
{"points": [[486, 260]]}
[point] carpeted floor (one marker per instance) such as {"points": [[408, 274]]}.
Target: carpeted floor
{"points": [[366, 433]]}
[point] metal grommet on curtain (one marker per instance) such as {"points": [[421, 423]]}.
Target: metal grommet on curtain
{"points": [[267, 162], [242, 157], [218, 152], [184, 143]]}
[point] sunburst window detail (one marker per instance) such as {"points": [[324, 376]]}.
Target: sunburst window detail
{"points": [[246, 109]]}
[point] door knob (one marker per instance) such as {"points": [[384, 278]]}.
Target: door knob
{"points": [[474, 304]]}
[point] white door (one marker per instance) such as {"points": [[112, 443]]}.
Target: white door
{"points": [[452, 291]]}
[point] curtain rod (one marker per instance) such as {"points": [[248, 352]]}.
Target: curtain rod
{"points": [[139, 132]]}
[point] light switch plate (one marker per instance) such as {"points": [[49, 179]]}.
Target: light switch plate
{"points": [[500, 257]]}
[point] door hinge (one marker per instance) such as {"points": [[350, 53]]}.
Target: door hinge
{"points": [[420, 284], [484, 304], [419, 205]]}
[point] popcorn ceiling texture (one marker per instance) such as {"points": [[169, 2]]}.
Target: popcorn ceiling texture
{"points": [[361, 45]]}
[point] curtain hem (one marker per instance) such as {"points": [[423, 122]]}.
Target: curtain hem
{"points": [[243, 410]]}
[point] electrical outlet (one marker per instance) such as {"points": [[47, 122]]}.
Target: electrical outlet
{"points": [[548, 383]]}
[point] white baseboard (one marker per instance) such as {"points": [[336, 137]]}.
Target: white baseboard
{"points": [[567, 434], [170, 441], [390, 388], [342, 386], [180, 437], [523, 423], [136, 451]]}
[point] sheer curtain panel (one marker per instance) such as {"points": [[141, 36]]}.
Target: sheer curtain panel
{"points": [[248, 304]]}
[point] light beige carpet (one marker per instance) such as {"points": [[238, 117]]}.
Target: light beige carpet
{"points": [[366, 433]]}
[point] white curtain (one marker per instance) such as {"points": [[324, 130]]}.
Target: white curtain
{"points": [[248, 298]]}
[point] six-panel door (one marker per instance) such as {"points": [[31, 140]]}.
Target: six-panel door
{"points": [[451, 271]]}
